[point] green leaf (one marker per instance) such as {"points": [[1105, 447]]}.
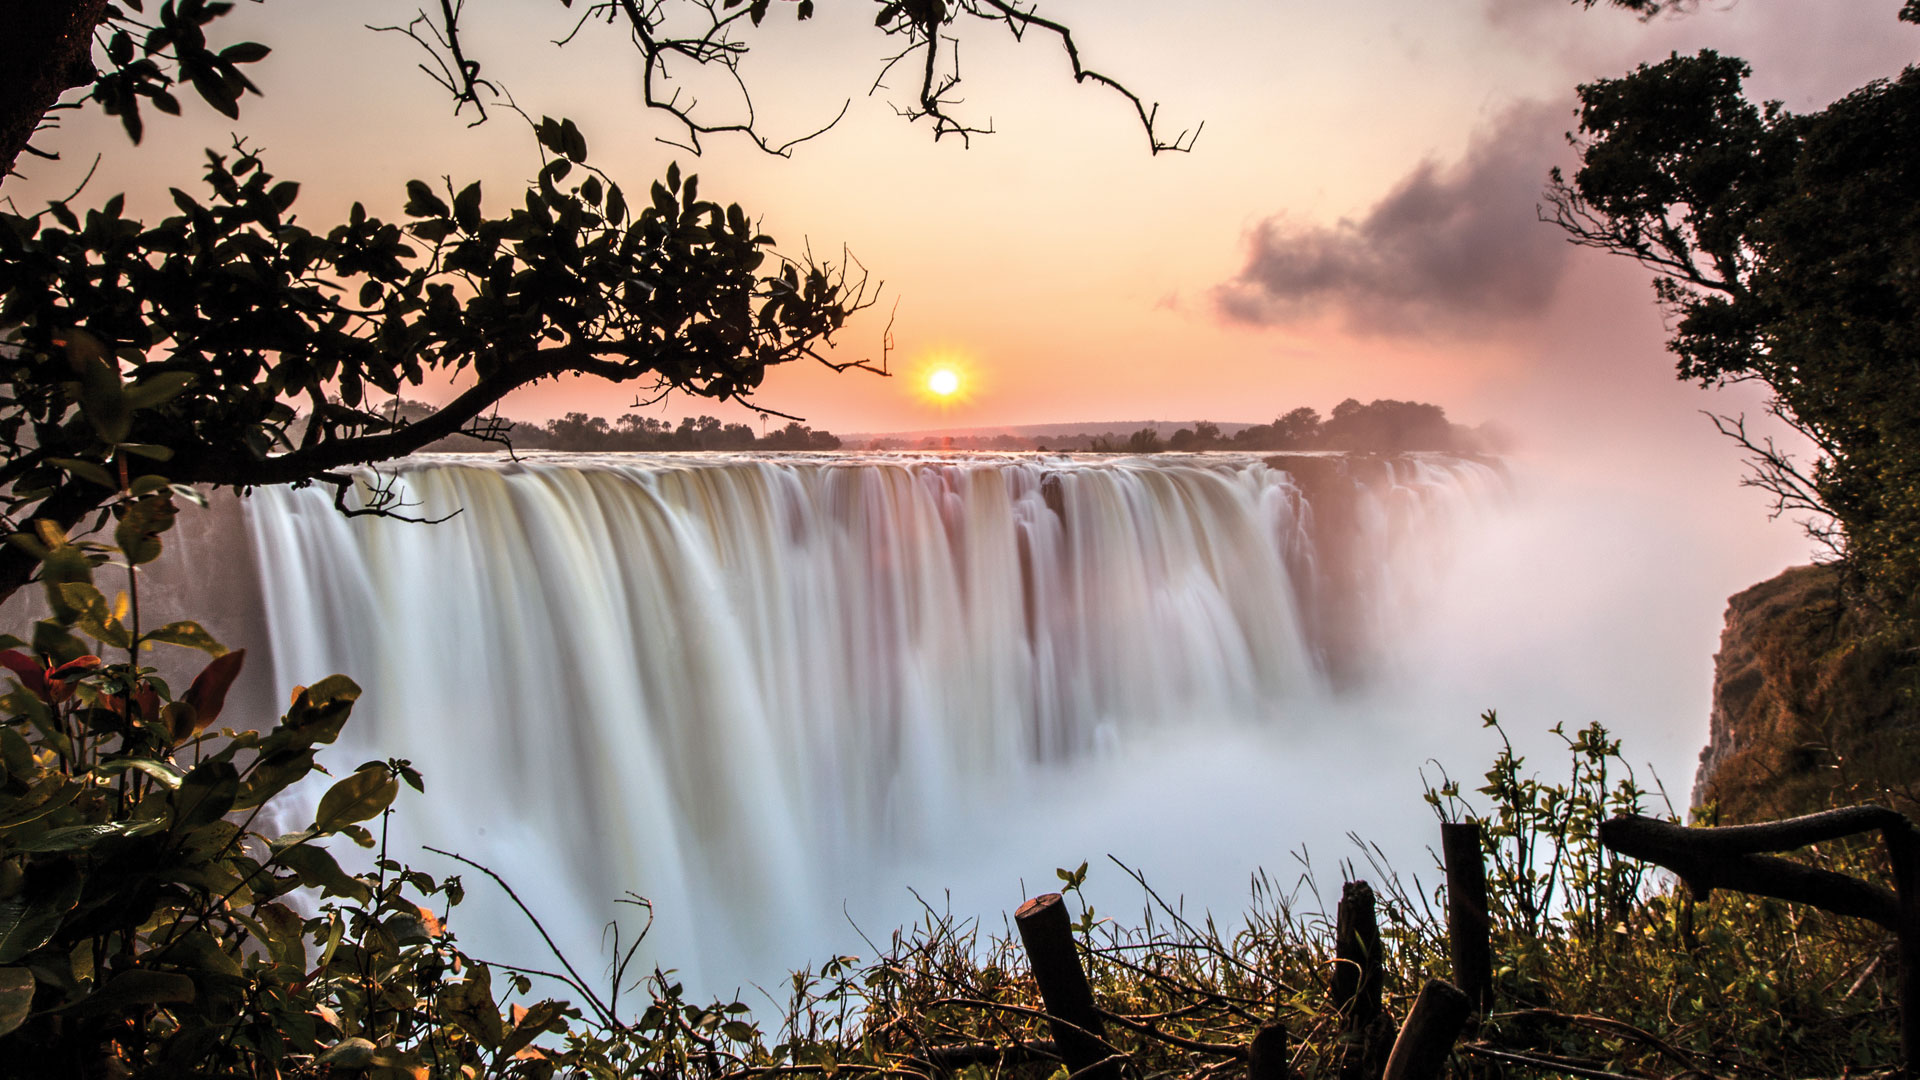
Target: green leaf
{"points": [[87, 609], [354, 1053], [158, 390], [317, 869], [166, 773], [81, 837], [206, 794], [99, 393], [16, 997], [188, 634], [356, 798], [91, 471], [29, 917], [139, 986], [44, 797], [530, 1027], [141, 525]]}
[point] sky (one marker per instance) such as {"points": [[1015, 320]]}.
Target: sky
{"points": [[1357, 217]]}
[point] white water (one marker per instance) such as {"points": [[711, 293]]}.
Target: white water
{"points": [[754, 689]]}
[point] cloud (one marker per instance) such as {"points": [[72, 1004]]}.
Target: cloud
{"points": [[1450, 248]]}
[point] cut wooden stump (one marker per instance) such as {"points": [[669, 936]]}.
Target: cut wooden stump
{"points": [[1438, 1017], [1469, 927], [1356, 951], [1078, 1033], [1267, 1059]]}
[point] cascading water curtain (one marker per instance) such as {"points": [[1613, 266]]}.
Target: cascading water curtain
{"points": [[726, 682]]}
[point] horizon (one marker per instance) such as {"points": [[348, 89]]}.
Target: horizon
{"points": [[1332, 234]]}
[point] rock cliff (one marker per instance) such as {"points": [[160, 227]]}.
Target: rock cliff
{"points": [[1812, 705]]}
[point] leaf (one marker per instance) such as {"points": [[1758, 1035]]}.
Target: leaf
{"points": [[246, 52], [81, 837], [354, 1053], [572, 143], [466, 207], [27, 670], [422, 202], [99, 392], [91, 471], [139, 986], [90, 613], [168, 774], [206, 794], [317, 869], [188, 634], [29, 917], [528, 1027], [356, 798], [16, 997], [141, 526], [208, 692], [158, 390], [50, 793]]}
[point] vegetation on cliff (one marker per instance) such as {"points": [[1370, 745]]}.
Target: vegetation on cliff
{"points": [[1785, 251]]}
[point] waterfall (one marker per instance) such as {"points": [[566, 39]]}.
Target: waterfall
{"points": [[726, 682]]}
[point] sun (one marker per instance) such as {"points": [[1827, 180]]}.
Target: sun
{"points": [[944, 382]]}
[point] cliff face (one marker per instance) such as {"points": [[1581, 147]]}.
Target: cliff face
{"points": [[1812, 705]]}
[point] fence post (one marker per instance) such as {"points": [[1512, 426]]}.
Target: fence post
{"points": [[1047, 935], [1427, 1037], [1267, 1058], [1468, 924], [1356, 951]]}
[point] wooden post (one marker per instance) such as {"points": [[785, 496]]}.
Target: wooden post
{"points": [[1901, 844], [1469, 927], [1077, 1031], [1267, 1058], [1356, 951], [1438, 1016]]}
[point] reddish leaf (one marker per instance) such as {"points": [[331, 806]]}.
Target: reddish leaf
{"points": [[74, 669], [27, 670], [208, 694]]}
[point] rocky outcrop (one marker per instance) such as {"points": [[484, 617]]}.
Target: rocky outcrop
{"points": [[1813, 704]]}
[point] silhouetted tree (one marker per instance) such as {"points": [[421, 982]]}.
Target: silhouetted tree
{"points": [[196, 347], [1785, 252]]}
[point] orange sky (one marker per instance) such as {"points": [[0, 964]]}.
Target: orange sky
{"points": [[1074, 276]]}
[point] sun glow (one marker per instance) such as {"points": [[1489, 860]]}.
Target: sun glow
{"points": [[944, 382]]}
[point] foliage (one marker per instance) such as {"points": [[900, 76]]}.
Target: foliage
{"points": [[204, 337], [204, 331], [1785, 249], [154, 923]]}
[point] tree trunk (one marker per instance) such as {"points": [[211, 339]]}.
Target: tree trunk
{"points": [[45, 50]]}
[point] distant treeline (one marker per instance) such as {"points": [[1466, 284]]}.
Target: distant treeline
{"points": [[1382, 426], [580, 433]]}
